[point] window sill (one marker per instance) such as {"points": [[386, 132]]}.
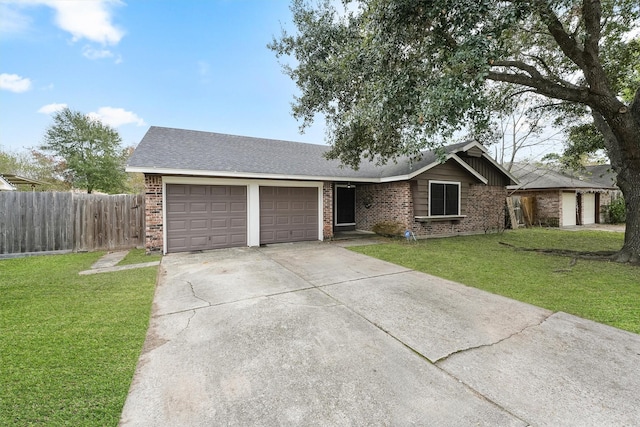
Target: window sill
{"points": [[438, 218]]}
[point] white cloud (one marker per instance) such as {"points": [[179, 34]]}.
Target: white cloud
{"points": [[83, 19], [14, 83], [116, 117], [91, 53], [12, 21], [51, 108], [89, 20]]}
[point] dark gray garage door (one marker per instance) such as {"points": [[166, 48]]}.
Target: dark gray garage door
{"points": [[205, 217], [288, 214]]}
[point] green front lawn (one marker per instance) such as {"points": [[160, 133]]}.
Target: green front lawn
{"points": [[68, 343], [598, 290]]}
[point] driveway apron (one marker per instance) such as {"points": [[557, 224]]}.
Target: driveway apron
{"points": [[314, 334]]}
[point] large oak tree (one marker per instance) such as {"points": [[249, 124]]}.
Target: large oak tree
{"points": [[393, 77]]}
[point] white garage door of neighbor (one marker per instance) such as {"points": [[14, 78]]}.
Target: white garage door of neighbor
{"points": [[288, 214], [203, 217], [588, 208], [568, 209]]}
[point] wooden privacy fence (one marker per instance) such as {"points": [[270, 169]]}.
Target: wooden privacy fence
{"points": [[53, 221]]}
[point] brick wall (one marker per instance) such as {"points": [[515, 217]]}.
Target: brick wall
{"points": [[376, 203], [327, 200], [484, 213], [548, 206], [393, 202], [153, 213]]}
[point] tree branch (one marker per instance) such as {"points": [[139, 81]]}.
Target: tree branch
{"points": [[567, 43], [543, 86], [521, 65], [592, 13], [551, 74]]}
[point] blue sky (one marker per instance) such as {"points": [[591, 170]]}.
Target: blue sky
{"points": [[200, 65]]}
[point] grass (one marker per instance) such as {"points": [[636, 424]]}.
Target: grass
{"points": [[602, 291], [69, 343], [138, 256]]}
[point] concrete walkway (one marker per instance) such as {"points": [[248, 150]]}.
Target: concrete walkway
{"points": [[314, 334], [109, 263]]}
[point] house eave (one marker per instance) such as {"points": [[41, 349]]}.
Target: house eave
{"points": [[250, 175]]}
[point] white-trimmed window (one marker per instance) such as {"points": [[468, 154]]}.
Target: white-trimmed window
{"points": [[444, 198]]}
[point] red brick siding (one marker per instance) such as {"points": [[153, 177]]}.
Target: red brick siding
{"points": [[393, 202], [376, 203], [153, 213], [327, 201]]}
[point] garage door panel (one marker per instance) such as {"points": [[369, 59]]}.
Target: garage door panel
{"points": [[221, 223], [177, 224], [195, 207], [237, 207], [208, 221], [288, 214], [198, 224], [237, 191], [239, 223], [219, 207], [176, 190], [239, 239], [200, 241], [283, 220], [197, 190]]}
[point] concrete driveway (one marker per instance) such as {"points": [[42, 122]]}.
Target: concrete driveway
{"points": [[314, 334]]}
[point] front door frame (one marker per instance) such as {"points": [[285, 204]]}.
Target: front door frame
{"points": [[335, 205]]}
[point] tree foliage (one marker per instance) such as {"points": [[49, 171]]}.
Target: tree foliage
{"points": [[34, 165], [392, 77], [89, 150]]}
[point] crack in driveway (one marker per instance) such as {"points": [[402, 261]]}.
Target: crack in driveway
{"points": [[491, 344]]}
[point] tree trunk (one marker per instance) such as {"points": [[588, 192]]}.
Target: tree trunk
{"points": [[630, 187], [622, 141]]}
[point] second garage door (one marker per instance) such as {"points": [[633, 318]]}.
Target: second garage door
{"points": [[205, 217], [568, 209], [588, 208], [288, 214]]}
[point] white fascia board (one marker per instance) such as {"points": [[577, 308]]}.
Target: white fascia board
{"points": [[6, 185], [471, 170], [472, 144], [245, 175], [238, 181]]}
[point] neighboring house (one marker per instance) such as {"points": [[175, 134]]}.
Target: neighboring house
{"points": [[5, 185], [15, 180], [209, 190], [558, 199]]}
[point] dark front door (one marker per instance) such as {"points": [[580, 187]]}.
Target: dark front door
{"points": [[345, 205]]}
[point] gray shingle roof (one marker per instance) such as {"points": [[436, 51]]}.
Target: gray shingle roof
{"points": [[166, 149], [535, 177]]}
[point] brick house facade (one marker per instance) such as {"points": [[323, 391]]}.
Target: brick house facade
{"points": [[223, 191]]}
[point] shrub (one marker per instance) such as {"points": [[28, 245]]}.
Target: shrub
{"points": [[388, 228], [617, 211]]}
